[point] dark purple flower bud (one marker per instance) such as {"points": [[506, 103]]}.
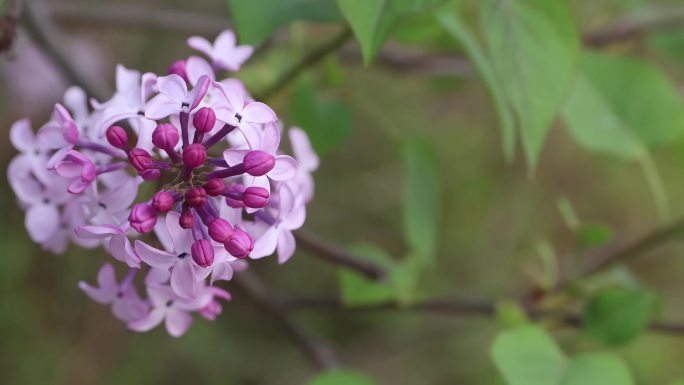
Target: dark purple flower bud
{"points": [[140, 159], [220, 230], [258, 163], [255, 197], [117, 137], [186, 220], [150, 174], [196, 197], [178, 68], [204, 120], [231, 193], [215, 187], [165, 136], [202, 253], [240, 244], [162, 201], [142, 218], [194, 155]]}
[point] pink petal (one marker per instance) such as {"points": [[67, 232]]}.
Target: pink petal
{"points": [[97, 294], [266, 244], [225, 42], [160, 295], [286, 245], [154, 257], [257, 112], [153, 318], [111, 115], [77, 101], [129, 309], [127, 83], [161, 106], [21, 135], [222, 272], [181, 238], [183, 281], [303, 151], [195, 67], [78, 186], [42, 221], [194, 98], [234, 157], [51, 136], [120, 197], [201, 44], [271, 139], [97, 232], [233, 94], [238, 56], [106, 278], [173, 86], [285, 168], [177, 322], [295, 218]]}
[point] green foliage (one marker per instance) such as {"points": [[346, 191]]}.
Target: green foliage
{"points": [[527, 355], [328, 122], [594, 234], [255, 20], [342, 377], [421, 198], [622, 106], [372, 20], [452, 23], [534, 45], [511, 314], [616, 316], [357, 290]]}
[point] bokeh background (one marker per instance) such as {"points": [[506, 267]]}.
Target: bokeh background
{"points": [[492, 212]]}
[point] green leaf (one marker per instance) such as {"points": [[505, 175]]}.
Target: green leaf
{"points": [[622, 106], [594, 234], [372, 20], [255, 20], [616, 316], [452, 23], [597, 369], [357, 290], [421, 198], [527, 355], [510, 314], [328, 122], [342, 377], [534, 46]]}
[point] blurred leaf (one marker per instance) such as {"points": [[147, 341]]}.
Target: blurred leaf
{"points": [[534, 46], [342, 377], [594, 234], [421, 198], [452, 22], [372, 20], [549, 262], [568, 213], [616, 316], [597, 369], [679, 382], [328, 122], [357, 290], [405, 279], [510, 314], [255, 20], [622, 106], [529, 356]]}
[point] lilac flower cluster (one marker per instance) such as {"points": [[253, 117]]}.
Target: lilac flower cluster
{"points": [[143, 176]]}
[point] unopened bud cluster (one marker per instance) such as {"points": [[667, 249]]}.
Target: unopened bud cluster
{"points": [[221, 192]]}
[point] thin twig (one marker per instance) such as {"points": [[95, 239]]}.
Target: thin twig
{"points": [[307, 61], [459, 308], [131, 15], [337, 255], [630, 28], [9, 22], [315, 348], [50, 39]]}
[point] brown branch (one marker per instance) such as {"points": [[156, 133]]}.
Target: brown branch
{"points": [[630, 29], [9, 22], [315, 348], [131, 15], [307, 61], [459, 308], [337, 255]]}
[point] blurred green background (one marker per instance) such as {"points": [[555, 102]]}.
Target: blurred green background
{"points": [[491, 212]]}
